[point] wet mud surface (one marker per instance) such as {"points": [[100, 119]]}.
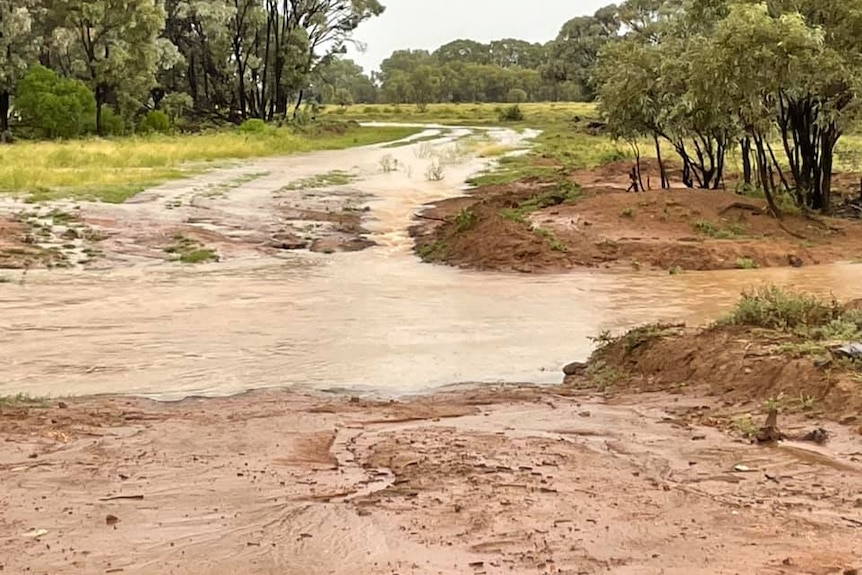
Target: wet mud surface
{"points": [[601, 226], [492, 480]]}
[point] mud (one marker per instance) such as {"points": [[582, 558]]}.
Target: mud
{"points": [[605, 227], [741, 368], [497, 480]]}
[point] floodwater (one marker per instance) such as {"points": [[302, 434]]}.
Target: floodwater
{"points": [[377, 320]]}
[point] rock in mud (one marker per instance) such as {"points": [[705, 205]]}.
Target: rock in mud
{"points": [[794, 261], [576, 368], [333, 245], [287, 242]]}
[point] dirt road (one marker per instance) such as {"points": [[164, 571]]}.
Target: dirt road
{"points": [[491, 481], [470, 480]]}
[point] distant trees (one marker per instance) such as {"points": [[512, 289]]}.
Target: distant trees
{"points": [[778, 80]]}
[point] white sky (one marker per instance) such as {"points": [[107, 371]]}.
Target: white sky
{"points": [[429, 24]]}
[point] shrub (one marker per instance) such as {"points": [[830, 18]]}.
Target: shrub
{"points": [[774, 308], [56, 107], [176, 104], [516, 96], [113, 124], [155, 121], [253, 126], [511, 114]]}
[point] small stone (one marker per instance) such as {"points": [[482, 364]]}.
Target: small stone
{"points": [[585, 414], [62, 405], [111, 520]]}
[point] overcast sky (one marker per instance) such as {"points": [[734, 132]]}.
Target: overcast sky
{"points": [[429, 24]]}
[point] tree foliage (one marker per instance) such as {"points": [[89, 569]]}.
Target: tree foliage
{"points": [[707, 75], [56, 107]]}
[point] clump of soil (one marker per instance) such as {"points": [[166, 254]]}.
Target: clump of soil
{"points": [[744, 363], [607, 227]]}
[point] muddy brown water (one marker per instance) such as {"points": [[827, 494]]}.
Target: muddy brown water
{"points": [[377, 320]]}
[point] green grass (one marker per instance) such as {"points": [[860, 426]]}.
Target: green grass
{"points": [[466, 220], [783, 310], [717, 232], [199, 256], [475, 114], [553, 241], [746, 264], [113, 170], [22, 400], [190, 251], [419, 140], [333, 178]]}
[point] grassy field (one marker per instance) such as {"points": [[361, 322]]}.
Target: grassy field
{"points": [[114, 170], [535, 114]]}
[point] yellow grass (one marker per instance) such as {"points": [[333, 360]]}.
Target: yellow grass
{"points": [[113, 170], [476, 114]]}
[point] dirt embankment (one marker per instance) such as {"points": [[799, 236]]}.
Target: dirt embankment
{"points": [[490, 481], [517, 228], [740, 369]]}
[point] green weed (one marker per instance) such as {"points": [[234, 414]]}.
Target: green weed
{"points": [[775, 308], [746, 264], [465, 220]]}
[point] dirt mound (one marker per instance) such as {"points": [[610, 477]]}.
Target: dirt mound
{"points": [[505, 228], [741, 366]]}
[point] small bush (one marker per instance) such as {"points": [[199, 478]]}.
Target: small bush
{"points": [[628, 213], [253, 126], [112, 123], [746, 264], [56, 107], [774, 308], [156, 121], [511, 114], [465, 220], [517, 96]]}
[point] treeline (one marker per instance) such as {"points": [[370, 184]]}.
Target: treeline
{"points": [[778, 80], [508, 70], [72, 66], [69, 67]]}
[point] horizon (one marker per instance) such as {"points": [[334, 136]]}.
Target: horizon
{"points": [[403, 28]]}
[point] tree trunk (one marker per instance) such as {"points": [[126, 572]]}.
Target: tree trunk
{"points": [[765, 177], [298, 103], [745, 145], [4, 112], [662, 171], [100, 101]]}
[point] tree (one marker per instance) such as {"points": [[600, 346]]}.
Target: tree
{"points": [[574, 54], [115, 45], [57, 107], [19, 48]]}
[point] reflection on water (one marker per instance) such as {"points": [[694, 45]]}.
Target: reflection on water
{"points": [[373, 320]]}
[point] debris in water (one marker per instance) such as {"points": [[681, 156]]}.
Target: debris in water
{"points": [[35, 533]]}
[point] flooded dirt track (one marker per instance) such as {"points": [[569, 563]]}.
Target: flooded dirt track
{"points": [[482, 480], [489, 481], [376, 319]]}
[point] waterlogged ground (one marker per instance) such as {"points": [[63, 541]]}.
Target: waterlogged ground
{"points": [[471, 479], [127, 318]]}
